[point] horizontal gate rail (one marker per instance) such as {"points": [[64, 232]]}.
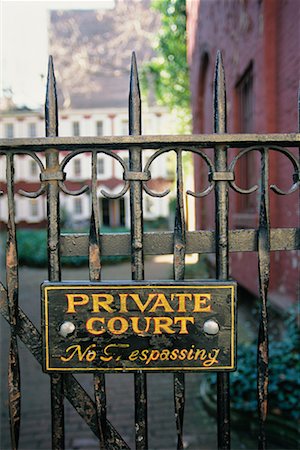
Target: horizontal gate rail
{"points": [[162, 243], [150, 142]]}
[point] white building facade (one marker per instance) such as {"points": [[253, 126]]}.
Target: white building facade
{"points": [[76, 211]]}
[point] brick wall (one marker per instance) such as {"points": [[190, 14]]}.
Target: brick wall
{"points": [[264, 33]]}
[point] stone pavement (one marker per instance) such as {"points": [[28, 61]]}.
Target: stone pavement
{"points": [[199, 428]]}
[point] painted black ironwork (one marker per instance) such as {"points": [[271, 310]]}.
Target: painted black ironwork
{"points": [[222, 241], [14, 388], [137, 251], [178, 266], [54, 266]]}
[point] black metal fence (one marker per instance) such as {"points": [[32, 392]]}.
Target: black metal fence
{"points": [[221, 241]]}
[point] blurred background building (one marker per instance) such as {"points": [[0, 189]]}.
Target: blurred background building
{"points": [[92, 52]]}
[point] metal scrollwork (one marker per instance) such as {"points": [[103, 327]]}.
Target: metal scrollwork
{"points": [[85, 188], [295, 164], [43, 187], [211, 170], [125, 168], [167, 191], [146, 169], [61, 183], [232, 169], [273, 187]]}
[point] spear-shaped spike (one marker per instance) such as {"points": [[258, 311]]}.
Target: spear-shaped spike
{"points": [[135, 127], [51, 115], [220, 122]]}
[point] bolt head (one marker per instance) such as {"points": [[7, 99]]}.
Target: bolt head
{"points": [[211, 327], [66, 328]]}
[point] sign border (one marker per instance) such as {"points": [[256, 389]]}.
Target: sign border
{"points": [[171, 284]]}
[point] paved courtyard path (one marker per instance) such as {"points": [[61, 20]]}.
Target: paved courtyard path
{"points": [[199, 428]]}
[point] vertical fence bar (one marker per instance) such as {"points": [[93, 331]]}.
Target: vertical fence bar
{"points": [[54, 269], [137, 254], [95, 275], [14, 387], [179, 266], [264, 275], [221, 214]]}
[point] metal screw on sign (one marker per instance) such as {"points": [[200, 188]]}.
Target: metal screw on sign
{"points": [[66, 328], [211, 327]]}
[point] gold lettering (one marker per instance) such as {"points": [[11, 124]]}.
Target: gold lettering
{"points": [[200, 353], [212, 357], [144, 354], [174, 354], [123, 303], [135, 323], [183, 322], [161, 302], [201, 303], [97, 303], [165, 353], [133, 355], [181, 301], [90, 325], [190, 355], [162, 324], [123, 325], [72, 302], [183, 354], [142, 306], [89, 354], [154, 355]]}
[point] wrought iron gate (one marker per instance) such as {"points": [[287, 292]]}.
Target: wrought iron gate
{"points": [[221, 241]]}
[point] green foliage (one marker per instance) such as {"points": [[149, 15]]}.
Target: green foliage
{"points": [[161, 223], [168, 70], [32, 247], [284, 369], [32, 250]]}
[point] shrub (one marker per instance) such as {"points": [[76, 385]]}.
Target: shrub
{"points": [[32, 250], [284, 369]]}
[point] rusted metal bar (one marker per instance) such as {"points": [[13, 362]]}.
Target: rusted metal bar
{"points": [[161, 243], [54, 268], [95, 275], [74, 392], [151, 142], [264, 275], [222, 242], [137, 254], [14, 388], [178, 267]]}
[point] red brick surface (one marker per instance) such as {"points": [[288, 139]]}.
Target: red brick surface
{"points": [[266, 34]]}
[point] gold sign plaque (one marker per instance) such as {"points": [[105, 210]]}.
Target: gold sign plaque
{"points": [[149, 326]]}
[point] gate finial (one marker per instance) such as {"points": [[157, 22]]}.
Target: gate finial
{"points": [[220, 122], [51, 115], [134, 100]]}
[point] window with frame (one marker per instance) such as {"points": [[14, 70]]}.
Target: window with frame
{"points": [[32, 130], [34, 210], [247, 173], [77, 167], [100, 166], [99, 128], [76, 128], [33, 168], [9, 130], [77, 206]]}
